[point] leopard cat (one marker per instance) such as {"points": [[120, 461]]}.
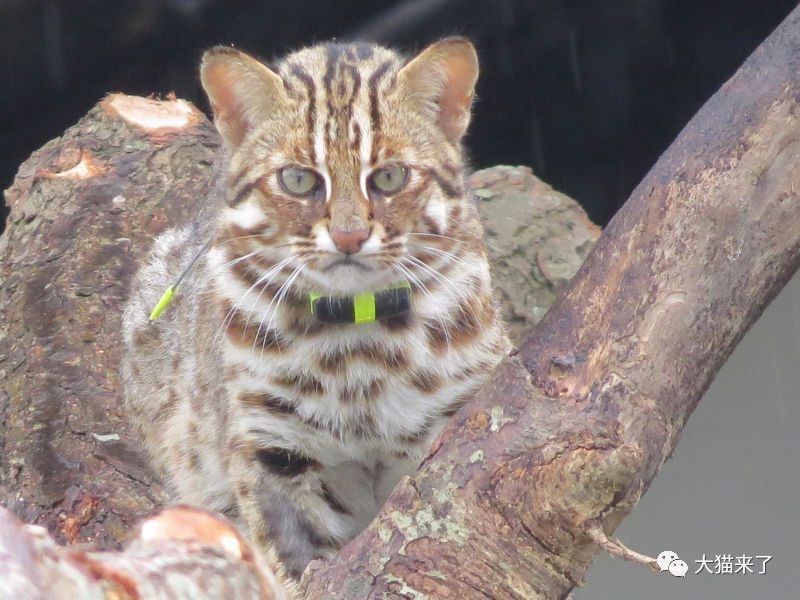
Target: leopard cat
{"points": [[341, 176]]}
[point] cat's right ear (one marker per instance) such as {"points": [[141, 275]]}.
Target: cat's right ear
{"points": [[441, 81], [242, 91]]}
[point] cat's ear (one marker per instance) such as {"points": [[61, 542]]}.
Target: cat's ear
{"points": [[242, 91], [441, 79]]}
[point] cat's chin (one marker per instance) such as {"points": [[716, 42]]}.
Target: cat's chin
{"points": [[349, 279], [348, 263]]}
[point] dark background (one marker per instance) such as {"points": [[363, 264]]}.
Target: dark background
{"points": [[587, 92]]}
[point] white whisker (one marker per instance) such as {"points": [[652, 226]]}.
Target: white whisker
{"points": [[436, 274], [437, 315], [267, 276], [442, 253], [436, 235], [284, 289]]}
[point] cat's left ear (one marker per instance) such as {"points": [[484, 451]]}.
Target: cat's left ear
{"points": [[441, 79], [242, 91]]}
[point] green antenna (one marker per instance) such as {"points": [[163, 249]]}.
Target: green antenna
{"points": [[169, 294]]}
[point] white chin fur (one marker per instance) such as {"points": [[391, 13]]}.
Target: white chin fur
{"points": [[347, 280]]}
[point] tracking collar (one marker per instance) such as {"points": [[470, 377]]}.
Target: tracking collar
{"points": [[362, 308]]}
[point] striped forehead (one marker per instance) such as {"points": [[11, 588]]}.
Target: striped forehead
{"points": [[339, 87]]}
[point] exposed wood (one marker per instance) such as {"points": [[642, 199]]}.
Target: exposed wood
{"points": [[180, 553]]}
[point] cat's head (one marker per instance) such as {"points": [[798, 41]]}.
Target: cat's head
{"points": [[345, 161]]}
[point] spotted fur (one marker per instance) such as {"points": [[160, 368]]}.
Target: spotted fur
{"points": [[246, 402]]}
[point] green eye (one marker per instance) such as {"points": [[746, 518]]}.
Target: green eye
{"points": [[390, 179], [299, 181]]}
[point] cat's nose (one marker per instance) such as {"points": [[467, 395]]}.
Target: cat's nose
{"points": [[349, 242]]}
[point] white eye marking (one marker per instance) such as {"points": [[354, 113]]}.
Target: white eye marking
{"points": [[364, 150], [246, 215], [363, 178], [321, 154], [437, 210], [326, 176]]}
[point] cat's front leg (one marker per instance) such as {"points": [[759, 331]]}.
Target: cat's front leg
{"points": [[276, 489]]}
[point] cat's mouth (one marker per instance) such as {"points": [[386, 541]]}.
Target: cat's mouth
{"points": [[347, 261]]}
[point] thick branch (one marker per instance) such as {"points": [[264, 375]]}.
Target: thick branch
{"points": [[181, 553], [571, 430]]}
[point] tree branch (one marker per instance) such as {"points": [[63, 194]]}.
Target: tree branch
{"points": [[571, 430], [181, 553]]}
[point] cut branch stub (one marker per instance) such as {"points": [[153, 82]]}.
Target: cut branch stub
{"points": [[181, 553]]}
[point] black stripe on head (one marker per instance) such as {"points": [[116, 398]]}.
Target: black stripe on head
{"points": [[286, 462], [311, 109], [333, 53], [451, 169], [374, 108], [450, 190], [356, 136], [356, 78], [235, 179], [243, 193]]}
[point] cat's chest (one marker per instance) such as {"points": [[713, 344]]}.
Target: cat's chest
{"points": [[357, 383]]}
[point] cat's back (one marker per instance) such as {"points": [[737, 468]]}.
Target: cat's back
{"points": [[152, 350], [155, 353]]}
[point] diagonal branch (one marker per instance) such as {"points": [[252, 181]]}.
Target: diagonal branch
{"points": [[571, 430]]}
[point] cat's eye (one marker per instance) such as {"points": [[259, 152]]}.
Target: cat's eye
{"points": [[299, 182], [389, 179]]}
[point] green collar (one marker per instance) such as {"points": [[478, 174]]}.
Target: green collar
{"points": [[362, 308]]}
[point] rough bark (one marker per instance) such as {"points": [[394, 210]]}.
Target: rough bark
{"points": [[562, 442], [84, 209], [183, 553], [554, 451], [537, 239]]}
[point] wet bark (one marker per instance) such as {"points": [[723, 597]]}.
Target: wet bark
{"points": [[554, 451]]}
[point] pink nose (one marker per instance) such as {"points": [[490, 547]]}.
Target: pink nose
{"points": [[349, 242]]}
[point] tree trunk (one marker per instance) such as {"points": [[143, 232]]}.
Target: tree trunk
{"points": [[524, 485]]}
